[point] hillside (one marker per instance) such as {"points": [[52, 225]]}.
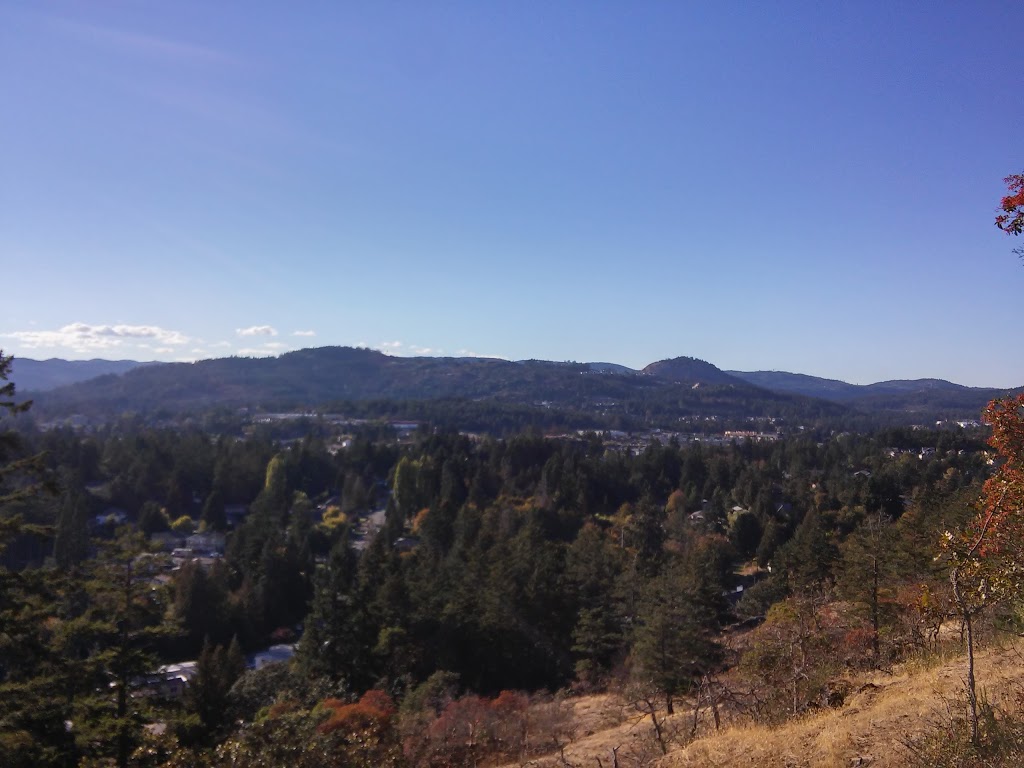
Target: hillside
{"points": [[41, 375], [558, 394], [800, 384], [690, 370], [887, 710], [874, 725], [332, 376], [915, 396]]}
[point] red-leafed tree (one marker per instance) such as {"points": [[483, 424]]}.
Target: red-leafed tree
{"points": [[473, 730], [986, 556], [1004, 491], [370, 716], [1011, 220], [360, 735]]}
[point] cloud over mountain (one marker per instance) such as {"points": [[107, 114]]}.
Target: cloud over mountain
{"points": [[257, 330], [84, 337]]}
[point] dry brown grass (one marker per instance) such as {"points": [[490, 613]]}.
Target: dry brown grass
{"points": [[603, 723], [871, 728]]}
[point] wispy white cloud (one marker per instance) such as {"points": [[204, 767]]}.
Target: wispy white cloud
{"points": [[83, 337], [303, 333], [151, 46], [265, 348], [257, 330], [400, 348], [470, 353]]}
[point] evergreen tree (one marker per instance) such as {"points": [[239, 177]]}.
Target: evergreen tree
{"points": [[337, 639], [213, 514], [217, 669], [866, 573], [772, 538], [593, 565], [745, 533], [121, 625], [808, 557], [22, 474], [33, 671], [37, 681], [71, 542], [354, 496], [200, 605], [674, 643], [152, 519], [404, 488]]}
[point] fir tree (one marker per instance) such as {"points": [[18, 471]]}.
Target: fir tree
{"points": [[33, 672], [674, 644], [123, 621], [337, 642], [217, 669], [71, 542]]}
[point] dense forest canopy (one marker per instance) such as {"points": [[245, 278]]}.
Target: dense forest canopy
{"points": [[413, 571]]}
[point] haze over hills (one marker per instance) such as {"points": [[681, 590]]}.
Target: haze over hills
{"points": [[332, 375], [40, 375], [897, 395], [662, 392], [799, 383]]}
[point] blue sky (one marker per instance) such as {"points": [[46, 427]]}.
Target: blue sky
{"points": [[793, 186]]}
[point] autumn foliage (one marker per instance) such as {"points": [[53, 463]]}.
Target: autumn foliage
{"points": [[373, 711], [474, 730], [1011, 220], [1003, 514], [987, 552]]}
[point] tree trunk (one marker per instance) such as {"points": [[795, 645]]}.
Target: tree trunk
{"points": [[874, 608], [972, 690], [122, 730], [657, 726], [696, 712]]}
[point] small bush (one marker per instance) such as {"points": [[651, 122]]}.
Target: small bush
{"points": [[947, 744]]}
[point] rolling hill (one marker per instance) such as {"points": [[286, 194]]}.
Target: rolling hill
{"points": [[42, 375], [929, 396], [662, 394], [328, 376]]}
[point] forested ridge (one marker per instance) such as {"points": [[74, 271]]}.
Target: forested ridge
{"points": [[442, 589], [481, 393]]}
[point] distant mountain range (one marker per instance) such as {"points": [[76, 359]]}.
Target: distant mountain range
{"points": [[664, 392], [40, 375], [899, 395]]}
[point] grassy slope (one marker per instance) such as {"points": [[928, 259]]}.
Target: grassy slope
{"points": [[870, 729]]}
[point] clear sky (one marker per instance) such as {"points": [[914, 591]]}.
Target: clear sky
{"points": [[802, 186]]}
